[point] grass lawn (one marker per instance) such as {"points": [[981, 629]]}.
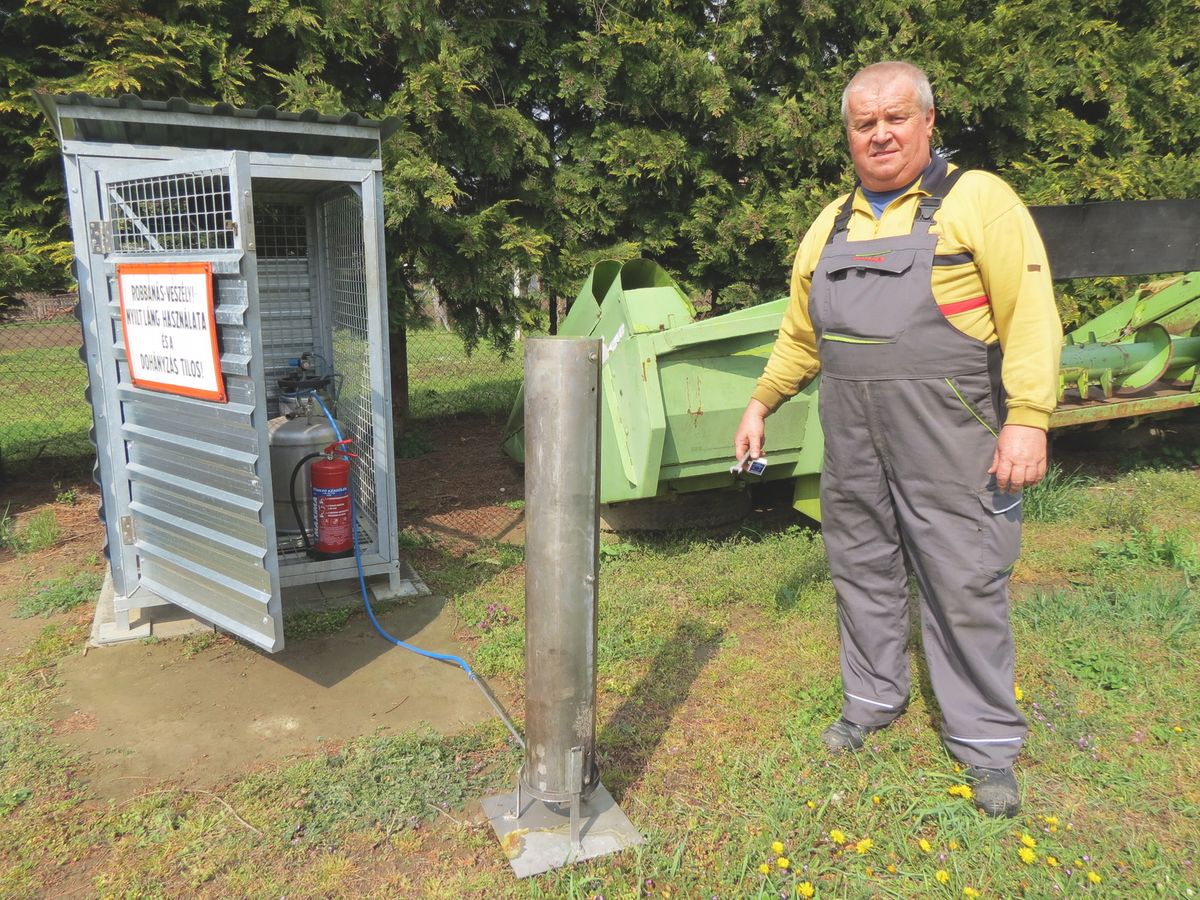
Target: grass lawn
{"points": [[717, 667], [43, 411], [445, 381]]}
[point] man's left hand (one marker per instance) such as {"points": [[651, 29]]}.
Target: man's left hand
{"points": [[1020, 457]]}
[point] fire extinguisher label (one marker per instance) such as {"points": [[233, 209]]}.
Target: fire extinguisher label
{"points": [[331, 519]]}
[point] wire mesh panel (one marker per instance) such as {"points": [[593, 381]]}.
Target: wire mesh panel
{"points": [[44, 413], [345, 262], [286, 270], [172, 213]]}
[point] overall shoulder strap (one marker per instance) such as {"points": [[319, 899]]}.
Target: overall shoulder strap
{"points": [[938, 182], [841, 224]]}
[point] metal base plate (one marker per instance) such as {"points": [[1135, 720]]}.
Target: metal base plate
{"points": [[537, 838]]}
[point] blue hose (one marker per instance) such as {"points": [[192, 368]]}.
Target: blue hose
{"points": [[362, 587]]}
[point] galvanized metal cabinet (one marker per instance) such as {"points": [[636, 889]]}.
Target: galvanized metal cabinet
{"points": [[295, 245]]}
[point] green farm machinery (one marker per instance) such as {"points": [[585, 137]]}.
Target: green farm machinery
{"points": [[674, 387]]}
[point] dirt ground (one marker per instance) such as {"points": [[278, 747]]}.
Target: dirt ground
{"points": [[465, 489], [182, 711]]}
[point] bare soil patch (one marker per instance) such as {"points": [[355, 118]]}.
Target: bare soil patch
{"points": [[465, 489]]}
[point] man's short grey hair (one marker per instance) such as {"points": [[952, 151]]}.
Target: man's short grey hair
{"points": [[889, 69]]}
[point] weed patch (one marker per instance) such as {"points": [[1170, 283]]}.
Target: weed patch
{"points": [[1056, 497], [49, 597], [195, 644], [413, 443], [39, 532], [382, 784], [314, 623], [1146, 549]]}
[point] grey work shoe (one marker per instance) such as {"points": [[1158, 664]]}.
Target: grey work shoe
{"points": [[994, 791], [843, 736]]}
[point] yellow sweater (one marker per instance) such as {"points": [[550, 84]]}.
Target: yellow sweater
{"points": [[981, 216]]}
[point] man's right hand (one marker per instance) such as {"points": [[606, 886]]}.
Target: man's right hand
{"points": [[751, 433]]}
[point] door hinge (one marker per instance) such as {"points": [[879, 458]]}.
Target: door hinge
{"points": [[127, 533], [100, 232]]}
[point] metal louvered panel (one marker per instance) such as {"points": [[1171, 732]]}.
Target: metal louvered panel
{"points": [[197, 472], [286, 273]]}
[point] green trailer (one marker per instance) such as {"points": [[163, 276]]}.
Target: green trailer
{"points": [[674, 387]]}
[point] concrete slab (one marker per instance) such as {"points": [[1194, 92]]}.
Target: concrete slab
{"points": [[147, 712], [167, 621]]}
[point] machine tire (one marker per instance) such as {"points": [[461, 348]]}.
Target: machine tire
{"points": [[677, 512]]}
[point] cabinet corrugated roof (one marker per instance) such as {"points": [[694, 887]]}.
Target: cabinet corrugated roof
{"points": [[131, 119]]}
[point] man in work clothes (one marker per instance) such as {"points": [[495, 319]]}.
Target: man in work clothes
{"points": [[924, 299]]}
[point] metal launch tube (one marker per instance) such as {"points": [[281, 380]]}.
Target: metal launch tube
{"points": [[562, 545]]}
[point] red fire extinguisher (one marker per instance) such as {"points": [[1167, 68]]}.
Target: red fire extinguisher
{"points": [[333, 534]]}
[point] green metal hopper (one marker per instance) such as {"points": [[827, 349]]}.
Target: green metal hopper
{"points": [[674, 390]]}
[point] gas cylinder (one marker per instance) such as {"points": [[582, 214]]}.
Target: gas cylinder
{"points": [[292, 439]]}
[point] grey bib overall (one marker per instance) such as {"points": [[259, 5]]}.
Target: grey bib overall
{"points": [[911, 407]]}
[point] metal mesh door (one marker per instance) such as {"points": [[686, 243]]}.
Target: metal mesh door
{"points": [[345, 264], [172, 213]]}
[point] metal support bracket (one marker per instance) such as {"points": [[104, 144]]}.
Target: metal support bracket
{"points": [[100, 236], [542, 836]]}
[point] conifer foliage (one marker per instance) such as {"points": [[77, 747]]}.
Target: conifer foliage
{"points": [[540, 136]]}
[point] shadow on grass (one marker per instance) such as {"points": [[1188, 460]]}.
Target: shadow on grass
{"points": [[44, 463], [629, 738]]}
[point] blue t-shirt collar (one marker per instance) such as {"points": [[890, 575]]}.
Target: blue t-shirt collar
{"points": [[879, 200]]}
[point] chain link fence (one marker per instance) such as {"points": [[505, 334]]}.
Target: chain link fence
{"points": [[454, 482], [44, 415]]}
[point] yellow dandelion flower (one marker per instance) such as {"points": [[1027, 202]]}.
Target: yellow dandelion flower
{"points": [[876, 800], [783, 862], [1079, 863], [942, 876], [1054, 829], [777, 848], [764, 869], [957, 767], [837, 836], [1018, 693], [954, 845], [1027, 856], [805, 889], [971, 892], [870, 872], [1094, 878], [863, 846], [891, 868], [811, 805], [1051, 820], [925, 846], [961, 790], [1028, 841], [1051, 861], [1177, 730]]}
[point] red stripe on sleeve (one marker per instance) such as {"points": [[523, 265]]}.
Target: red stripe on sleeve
{"points": [[962, 306]]}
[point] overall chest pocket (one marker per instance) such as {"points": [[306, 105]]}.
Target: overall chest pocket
{"points": [[865, 296]]}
